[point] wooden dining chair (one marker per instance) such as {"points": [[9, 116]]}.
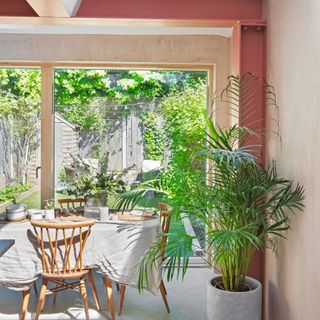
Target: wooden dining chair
{"points": [[61, 247], [165, 219], [72, 205], [25, 302]]}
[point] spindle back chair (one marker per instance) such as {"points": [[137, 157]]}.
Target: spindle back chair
{"points": [[61, 247], [72, 205], [165, 219]]}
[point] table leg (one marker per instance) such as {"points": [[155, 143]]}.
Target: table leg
{"points": [[108, 286]]}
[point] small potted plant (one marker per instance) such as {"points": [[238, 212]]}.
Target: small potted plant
{"points": [[49, 209]]}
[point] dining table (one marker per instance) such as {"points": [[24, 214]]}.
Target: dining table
{"points": [[114, 249]]}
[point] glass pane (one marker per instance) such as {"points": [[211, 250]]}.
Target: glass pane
{"points": [[132, 124], [20, 91]]}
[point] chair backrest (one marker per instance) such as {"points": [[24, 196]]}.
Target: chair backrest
{"points": [[61, 245], [165, 218], [70, 202]]}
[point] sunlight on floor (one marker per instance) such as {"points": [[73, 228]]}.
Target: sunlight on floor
{"points": [[187, 301]]}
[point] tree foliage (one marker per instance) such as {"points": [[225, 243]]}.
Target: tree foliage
{"points": [[79, 94], [19, 116], [184, 123], [153, 136]]}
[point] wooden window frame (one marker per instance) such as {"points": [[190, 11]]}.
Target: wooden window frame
{"points": [[47, 103]]}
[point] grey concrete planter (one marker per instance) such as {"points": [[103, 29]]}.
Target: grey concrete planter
{"points": [[225, 305]]}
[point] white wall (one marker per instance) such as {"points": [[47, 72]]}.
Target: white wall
{"points": [[293, 278]]}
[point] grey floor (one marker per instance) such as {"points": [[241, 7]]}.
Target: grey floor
{"points": [[187, 301]]}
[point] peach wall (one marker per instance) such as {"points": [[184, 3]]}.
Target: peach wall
{"points": [[292, 279]]}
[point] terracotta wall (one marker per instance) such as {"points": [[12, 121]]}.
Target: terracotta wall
{"points": [[292, 279]]}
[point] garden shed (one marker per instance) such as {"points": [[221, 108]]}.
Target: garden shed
{"points": [[66, 143]]}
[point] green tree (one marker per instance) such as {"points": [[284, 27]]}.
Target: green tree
{"points": [[78, 87], [19, 116], [184, 122]]}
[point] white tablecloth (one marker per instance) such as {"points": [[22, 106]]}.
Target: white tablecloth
{"points": [[112, 249]]}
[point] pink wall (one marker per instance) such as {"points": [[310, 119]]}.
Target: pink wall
{"points": [[172, 9], [153, 9]]}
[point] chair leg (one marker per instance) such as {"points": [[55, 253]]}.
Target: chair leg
{"points": [[35, 288], [118, 286], [165, 290], [55, 294], [164, 297], [108, 286], [94, 290], [84, 297], [122, 293], [25, 302], [42, 298]]}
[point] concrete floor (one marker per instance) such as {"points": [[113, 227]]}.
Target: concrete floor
{"points": [[187, 301]]}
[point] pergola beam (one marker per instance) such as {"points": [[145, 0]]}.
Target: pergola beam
{"points": [[111, 22]]}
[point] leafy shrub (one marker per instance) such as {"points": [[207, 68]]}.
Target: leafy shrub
{"points": [[62, 176], [13, 190], [185, 126], [153, 137]]}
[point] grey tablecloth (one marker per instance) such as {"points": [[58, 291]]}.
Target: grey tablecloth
{"points": [[112, 249]]}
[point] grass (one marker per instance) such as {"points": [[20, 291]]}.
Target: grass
{"points": [[32, 201]]}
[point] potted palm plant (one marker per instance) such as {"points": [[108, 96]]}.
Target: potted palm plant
{"points": [[244, 207]]}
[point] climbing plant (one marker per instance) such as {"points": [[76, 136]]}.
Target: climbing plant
{"points": [[153, 136]]}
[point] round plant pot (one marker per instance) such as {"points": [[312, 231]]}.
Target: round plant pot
{"points": [[16, 212], [226, 305]]}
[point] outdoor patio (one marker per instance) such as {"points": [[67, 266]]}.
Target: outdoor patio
{"points": [[187, 301]]}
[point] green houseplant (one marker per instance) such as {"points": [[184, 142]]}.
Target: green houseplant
{"points": [[96, 184], [244, 206]]}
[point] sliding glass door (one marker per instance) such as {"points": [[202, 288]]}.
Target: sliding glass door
{"points": [[131, 126]]}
